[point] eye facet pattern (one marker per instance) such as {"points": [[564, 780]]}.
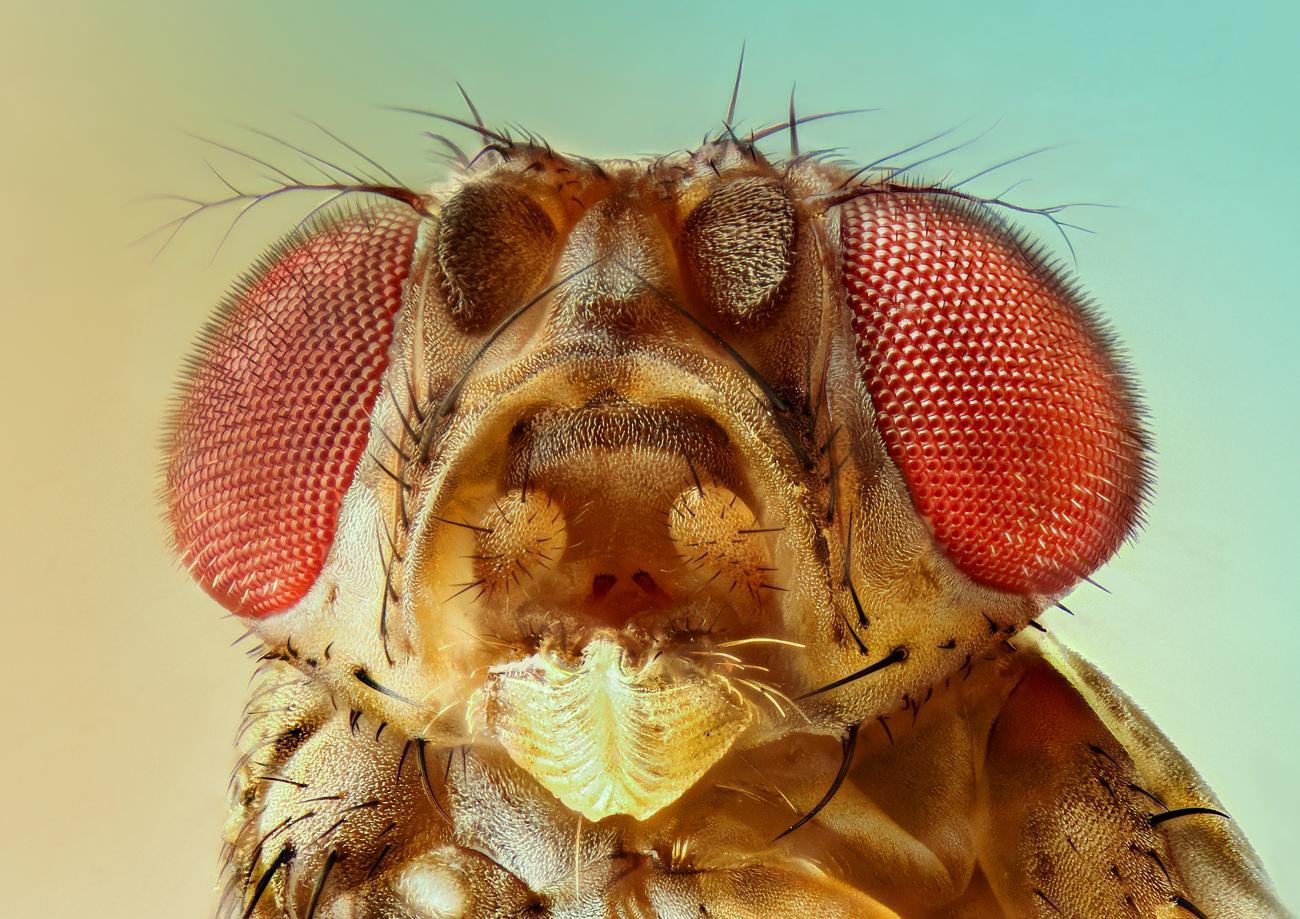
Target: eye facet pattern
{"points": [[274, 415], [494, 246], [996, 394], [739, 244]]}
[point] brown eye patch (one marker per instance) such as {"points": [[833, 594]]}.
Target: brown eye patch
{"points": [[739, 244], [494, 247]]}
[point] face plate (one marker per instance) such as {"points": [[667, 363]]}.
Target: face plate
{"points": [[605, 405]]}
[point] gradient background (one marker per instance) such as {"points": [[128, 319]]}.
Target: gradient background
{"points": [[120, 694]]}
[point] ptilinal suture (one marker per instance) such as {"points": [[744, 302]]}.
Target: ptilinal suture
{"points": [[656, 538]]}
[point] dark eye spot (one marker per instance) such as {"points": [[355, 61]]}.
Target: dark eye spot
{"points": [[739, 246], [495, 244]]}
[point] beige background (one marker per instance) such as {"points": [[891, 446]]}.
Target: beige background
{"points": [[120, 693], [120, 697]]}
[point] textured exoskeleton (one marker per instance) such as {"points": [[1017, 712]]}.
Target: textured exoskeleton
{"points": [[655, 538]]}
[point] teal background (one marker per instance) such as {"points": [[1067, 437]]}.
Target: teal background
{"points": [[1183, 114]]}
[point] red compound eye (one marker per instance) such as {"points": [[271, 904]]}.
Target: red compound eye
{"points": [[274, 416], [995, 392]]}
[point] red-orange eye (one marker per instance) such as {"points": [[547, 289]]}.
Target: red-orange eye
{"points": [[274, 416], [995, 392]]}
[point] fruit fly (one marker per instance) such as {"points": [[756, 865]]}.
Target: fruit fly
{"points": [[668, 537]]}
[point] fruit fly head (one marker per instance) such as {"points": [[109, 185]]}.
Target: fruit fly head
{"points": [[713, 445]]}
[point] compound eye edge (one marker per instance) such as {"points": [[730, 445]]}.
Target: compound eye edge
{"points": [[996, 392], [273, 416]]}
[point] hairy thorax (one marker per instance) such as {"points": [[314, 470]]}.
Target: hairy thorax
{"points": [[652, 538]]}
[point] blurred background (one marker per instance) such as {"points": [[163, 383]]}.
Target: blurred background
{"points": [[121, 690]]}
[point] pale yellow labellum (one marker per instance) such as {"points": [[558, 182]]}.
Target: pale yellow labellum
{"points": [[608, 739]]}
